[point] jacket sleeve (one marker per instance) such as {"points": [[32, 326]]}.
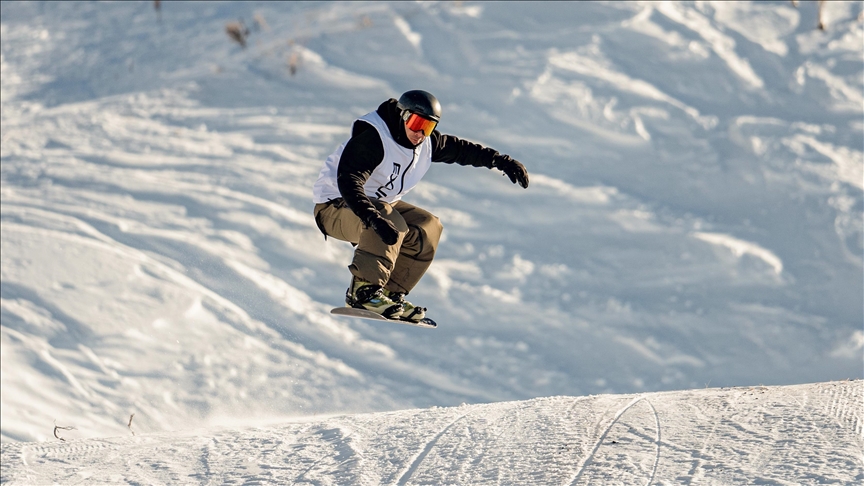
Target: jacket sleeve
{"points": [[362, 154], [450, 149]]}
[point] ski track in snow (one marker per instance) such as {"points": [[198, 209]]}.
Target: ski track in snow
{"points": [[586, 461], [403, 480]]}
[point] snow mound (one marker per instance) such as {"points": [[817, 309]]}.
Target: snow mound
{"points": [[801, 434]]}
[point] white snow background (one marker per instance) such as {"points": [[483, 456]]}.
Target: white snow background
{"points": [[675, 299]]}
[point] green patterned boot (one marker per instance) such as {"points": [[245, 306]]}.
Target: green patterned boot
{"points": [[410, 311], [365, 295]]}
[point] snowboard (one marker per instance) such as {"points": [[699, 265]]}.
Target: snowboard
{"points": [[365, 314]]}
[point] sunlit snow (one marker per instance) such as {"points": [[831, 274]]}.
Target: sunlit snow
{"points": [[683, 276]]}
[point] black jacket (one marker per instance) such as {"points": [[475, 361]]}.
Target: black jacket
{"points": [[365, 151]]}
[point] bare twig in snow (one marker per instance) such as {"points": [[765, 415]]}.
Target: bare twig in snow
{"points": [[130, 424], [57, 427]]}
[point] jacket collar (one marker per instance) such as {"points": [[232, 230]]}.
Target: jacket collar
{"points": [[389, 112]]}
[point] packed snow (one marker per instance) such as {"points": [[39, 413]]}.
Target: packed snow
{"points": [[695, 221], [799, 434]]}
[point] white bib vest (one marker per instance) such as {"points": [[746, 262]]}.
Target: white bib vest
{"points": [[397, 174]]}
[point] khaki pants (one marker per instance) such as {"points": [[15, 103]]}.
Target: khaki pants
{"points": [[397, 268]]}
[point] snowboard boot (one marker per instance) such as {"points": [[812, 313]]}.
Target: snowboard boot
{"points": [[410, 311], [364, 295]]}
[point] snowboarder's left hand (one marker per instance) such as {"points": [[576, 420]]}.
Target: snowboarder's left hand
{"points": [[385, 229], [514, 170]]}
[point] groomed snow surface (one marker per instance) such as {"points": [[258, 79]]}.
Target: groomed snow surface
{"points": [[695, 221], [801, 434]]}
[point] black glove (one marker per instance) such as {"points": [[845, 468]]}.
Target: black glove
{"points": [[384, 228], [514, 170]]}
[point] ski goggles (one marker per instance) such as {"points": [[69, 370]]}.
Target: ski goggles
{"points": [[417, 123]]}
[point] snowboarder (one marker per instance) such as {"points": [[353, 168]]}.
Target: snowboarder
{"points": [[358, 198]]}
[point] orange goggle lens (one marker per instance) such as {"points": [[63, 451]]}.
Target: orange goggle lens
{"points": [[417, 123]]}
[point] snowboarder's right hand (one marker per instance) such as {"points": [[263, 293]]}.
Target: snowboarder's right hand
{"points": [[384, 228]]}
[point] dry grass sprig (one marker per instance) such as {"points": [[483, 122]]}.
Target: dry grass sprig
{"points": [[260, 23], [293, 62], [819, 22], [295, 57], [238, 32]]}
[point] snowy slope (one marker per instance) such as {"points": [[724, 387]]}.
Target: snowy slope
{"points": [[803, 434], [694, 216]]}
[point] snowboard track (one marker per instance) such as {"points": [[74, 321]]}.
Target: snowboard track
{"points": [[406, 476], [608, 428]]}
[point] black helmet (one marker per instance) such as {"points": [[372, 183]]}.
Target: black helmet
{"points": [[420, 102]]}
